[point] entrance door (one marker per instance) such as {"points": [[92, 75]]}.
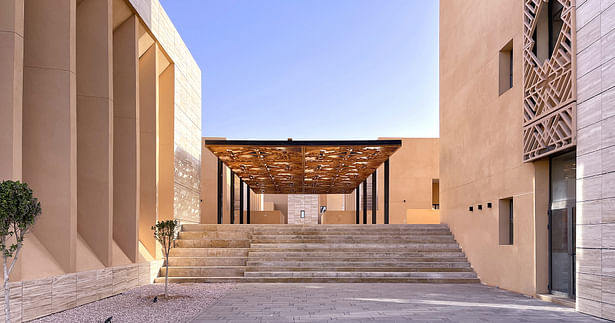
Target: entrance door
{"points": [[562, 221]]}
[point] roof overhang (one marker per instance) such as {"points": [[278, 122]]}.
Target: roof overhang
{"points": [[303, 167]]}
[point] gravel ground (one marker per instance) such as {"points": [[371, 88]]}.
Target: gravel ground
{"points": [[136, 305]]}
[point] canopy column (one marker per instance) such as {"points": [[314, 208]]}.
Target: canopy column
{"points": [[357, 205], [365, 201], [220, 191], [386, 192], [240, 201], [374, 204], [232, 204], [249, 205]]}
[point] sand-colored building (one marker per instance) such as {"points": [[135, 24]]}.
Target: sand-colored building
{"points": [[526, 140], [101, 115], [413, 186]]}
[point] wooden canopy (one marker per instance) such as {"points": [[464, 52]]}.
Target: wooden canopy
{"points": [[303, 167]]}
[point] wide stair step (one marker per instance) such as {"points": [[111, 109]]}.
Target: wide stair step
{"points": [[361, 274], [318, 253], [356, 264], [251, 269], [207, 261]]}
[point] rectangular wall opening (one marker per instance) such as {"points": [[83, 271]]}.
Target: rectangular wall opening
{"points": [[506, 67], [435, 193], [506, 221]]}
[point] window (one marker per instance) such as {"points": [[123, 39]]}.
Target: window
{"points": [[435, 194], [506, 67], [548, 28], [555, 24], [506, 221]]}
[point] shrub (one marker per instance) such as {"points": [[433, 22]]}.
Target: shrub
{"points": [[18, 211], [166, 232]]}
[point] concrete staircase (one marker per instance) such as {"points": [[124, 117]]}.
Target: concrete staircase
{"points": [[318, 253]]}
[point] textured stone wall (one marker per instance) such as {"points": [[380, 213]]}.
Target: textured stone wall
{"points": [[187, 125], [307, 202], [596, 157], [31, 299]]}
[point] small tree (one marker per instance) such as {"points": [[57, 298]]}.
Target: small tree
{"points": [[18, 211], [166, 232]]}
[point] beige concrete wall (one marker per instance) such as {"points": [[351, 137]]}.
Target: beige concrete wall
{"points": [[268, 206], [11, 87], [280, 202], [338, 217], [209, 185], [334, 202], [148, 112], [49, 107], [95, 126], [481, 146], [126, 152], [166, 157], [226, 195], [256, 201], [412, 170], [266, 217], [422, 216]]}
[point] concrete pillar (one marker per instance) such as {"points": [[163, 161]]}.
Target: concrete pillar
{"points": [[126, 145], [11, 87], [95, 126], [50, 123], [226, 195], [209, 185], [541, 222], [148, 132], [166, 166]]}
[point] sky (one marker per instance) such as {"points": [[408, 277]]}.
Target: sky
{"points": [[314, 69]]}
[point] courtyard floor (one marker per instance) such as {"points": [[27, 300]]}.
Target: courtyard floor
{"points": [[381, 303]]}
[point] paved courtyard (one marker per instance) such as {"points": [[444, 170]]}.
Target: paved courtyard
{"points": [[382, 303]]}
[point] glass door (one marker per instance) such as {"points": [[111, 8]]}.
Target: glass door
{"points": [[562, 222]]}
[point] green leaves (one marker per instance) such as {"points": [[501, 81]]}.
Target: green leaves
{"points": [[166, 232], [18, 211]]}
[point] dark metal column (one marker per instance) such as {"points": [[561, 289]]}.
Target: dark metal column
{"points": [[365, 201], [386, 192], [240, 201], [249, 205], [357, 205], [220, 179], [232, 205], [374, 202]]}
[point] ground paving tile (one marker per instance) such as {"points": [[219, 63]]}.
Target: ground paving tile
{"points": [[333, 302]]}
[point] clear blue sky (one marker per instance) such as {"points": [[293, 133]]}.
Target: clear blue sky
{"points": [[314, 69]]}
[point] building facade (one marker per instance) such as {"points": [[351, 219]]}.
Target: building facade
{"points": [[101, 116], [526, 161]]}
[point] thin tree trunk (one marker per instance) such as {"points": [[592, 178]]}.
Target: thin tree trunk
{"points": [[7, 308], [166, 277]]}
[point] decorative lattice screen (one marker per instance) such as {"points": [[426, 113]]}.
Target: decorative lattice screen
{"points": [[549, 87]]}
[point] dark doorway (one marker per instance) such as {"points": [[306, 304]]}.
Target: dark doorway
{"points": [[562, 222]]}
